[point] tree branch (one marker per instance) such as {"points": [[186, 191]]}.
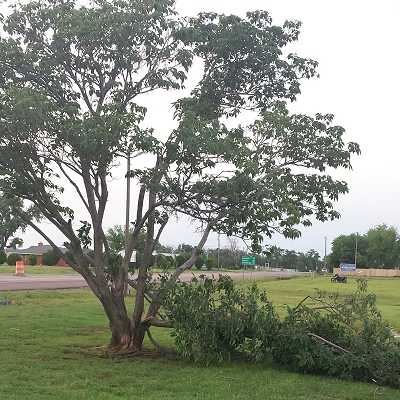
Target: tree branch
{"points": [[159, 346], [152, 321], [330, 343]]}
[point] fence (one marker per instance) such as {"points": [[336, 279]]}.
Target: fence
{"points": [[369, 272]]}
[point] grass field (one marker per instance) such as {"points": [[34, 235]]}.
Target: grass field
{"points": [[37, 269], [50, 350], [292, 291]]}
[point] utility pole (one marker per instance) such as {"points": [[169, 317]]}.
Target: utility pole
{"points": [[355, 255], [218, 249], [325, 258]]}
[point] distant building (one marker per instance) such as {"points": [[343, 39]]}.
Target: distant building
{"points": [[38, 250], [155, 254]]}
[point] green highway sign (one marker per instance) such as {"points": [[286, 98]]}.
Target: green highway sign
{"points": [[248, 260]]}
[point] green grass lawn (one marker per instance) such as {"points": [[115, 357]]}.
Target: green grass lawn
{"points": [[292, 291], [37, 269], [50, 350]]}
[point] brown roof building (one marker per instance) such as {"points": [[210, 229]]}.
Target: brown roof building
{"points": [[38, 250]]}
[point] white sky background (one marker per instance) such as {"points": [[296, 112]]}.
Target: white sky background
{"points": [[356, 45]]}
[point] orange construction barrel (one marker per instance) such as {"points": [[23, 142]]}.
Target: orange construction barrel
{"points": [[19, 269]]}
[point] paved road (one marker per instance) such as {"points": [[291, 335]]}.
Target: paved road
{"points": [[10, 282]]}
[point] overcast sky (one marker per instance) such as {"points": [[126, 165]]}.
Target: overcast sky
{"points": [[356, 45]]}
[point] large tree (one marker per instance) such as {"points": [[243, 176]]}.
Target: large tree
{"points": [[383, 247], [343, 251], [11, 222], [71, 81], [379, 247], [116, 239], [234, 253]]}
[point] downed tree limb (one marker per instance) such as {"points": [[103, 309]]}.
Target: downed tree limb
{"points": [[329, 343]]}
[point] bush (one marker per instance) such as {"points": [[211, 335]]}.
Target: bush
{"points": [[32, 259], [210, 263], [13, 258], [50, 258], [182, 258], [3, 257], [199, 262]]}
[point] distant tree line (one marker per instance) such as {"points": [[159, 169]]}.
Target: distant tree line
{"points": [[378, 248], [230, 257]]}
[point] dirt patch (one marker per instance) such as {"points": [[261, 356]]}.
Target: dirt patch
{"points": [[107, 377]]}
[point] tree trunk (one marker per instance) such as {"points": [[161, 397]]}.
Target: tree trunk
{"points": [[119, 322], [113, 302], [138, 326]]}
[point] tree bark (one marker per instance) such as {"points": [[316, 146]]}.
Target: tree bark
{"points": [[119, 321], [138, 326]]}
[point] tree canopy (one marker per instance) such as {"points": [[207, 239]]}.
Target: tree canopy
{"points": [[116, 239], [70, 89], [11, 222], [383, 247], [379, 247]]}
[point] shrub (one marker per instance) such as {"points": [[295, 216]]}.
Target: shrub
{"points": [[3, 257], [50, 258], [13, 258], [32, 259], [199, 262], [210, 263], [182, 258]]}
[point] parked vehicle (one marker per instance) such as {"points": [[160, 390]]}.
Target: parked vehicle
{"points": [[337, 278]]}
